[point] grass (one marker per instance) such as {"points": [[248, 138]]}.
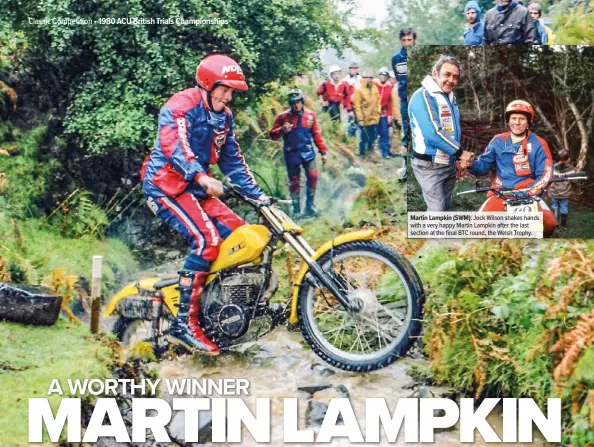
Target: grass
{"points": [[35, 250], [31, 358]]}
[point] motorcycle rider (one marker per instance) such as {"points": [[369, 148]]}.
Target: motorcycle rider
{"points": [[522, 161], [298, 126], [334, 92], [195, 131]]}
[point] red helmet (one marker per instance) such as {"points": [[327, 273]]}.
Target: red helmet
{"points": [[519, 106], [218, 69]]}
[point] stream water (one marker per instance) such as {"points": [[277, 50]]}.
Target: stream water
{"points": [[279, 364]]}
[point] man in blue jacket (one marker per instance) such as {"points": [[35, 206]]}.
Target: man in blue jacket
{"points": [[474, 34], [436, 134], [408, 37], [196, 131]]}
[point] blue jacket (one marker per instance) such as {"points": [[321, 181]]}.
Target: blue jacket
{"points": [[431, 134], [542, 32], [474, 35], [400, 67], [499, 154], [189, 140], [298, 144]]}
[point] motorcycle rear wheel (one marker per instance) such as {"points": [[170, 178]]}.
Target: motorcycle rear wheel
{"points": [[390, 297]]}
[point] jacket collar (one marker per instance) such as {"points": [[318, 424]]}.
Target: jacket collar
{"points": [[432, 87], [511, 6]]}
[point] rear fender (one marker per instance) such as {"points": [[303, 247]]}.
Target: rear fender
{"points": [[141, 287]]}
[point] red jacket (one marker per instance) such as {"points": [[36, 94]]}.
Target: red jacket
{"points": [[298, 141], [385, 97], [335, 93]]}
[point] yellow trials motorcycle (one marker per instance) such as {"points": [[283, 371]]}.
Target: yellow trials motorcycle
{"points": [[358, 301]]}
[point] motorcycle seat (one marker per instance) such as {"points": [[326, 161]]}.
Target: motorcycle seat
{"points": [[165, 283]]}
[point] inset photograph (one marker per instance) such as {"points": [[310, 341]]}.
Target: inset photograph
{"points": [[504, 128]]}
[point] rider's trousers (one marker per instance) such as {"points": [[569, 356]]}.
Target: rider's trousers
{"points": [[205, 223]]}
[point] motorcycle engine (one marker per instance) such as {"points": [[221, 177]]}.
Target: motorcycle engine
{"points": [[228, 302]]}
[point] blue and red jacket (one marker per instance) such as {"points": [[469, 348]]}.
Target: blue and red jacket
{"points": [[500, 154], [191, 138], [298, 142]]}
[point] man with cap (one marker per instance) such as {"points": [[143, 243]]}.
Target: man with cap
{"points": [[368, 110], [298, 126], [509, 23], [334, 92], [474, 34], [352, 80], [408, 37], [196, 131], [385, 121], [535, 11], [436, 134]]}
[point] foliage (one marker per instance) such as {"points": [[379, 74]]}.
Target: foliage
{"points": [[32, 357], [574, 22], [513, 319], [32, 251]]}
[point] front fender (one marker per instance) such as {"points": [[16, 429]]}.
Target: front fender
{"points": [[363, 235], [171, 294]]}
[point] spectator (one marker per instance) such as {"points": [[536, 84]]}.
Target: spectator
{"points": [[408, 37], [536, 12], [509, 23], [474, 34], [367, 107], [560, 192], [334, 93], [353, 80]]}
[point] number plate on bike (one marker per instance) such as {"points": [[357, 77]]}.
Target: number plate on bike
{"points": [[523, 208]]}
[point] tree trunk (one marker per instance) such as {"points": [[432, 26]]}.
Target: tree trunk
{"points": [[584, 134]]}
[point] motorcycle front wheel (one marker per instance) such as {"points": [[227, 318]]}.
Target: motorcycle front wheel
{"points": [[387, 295]]}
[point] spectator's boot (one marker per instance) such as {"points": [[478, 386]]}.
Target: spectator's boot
{"points": [[296, 199], [183, 328], [310, 209], [564, 220]]}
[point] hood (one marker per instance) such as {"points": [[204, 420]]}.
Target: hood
{"points": [[474, 5]]}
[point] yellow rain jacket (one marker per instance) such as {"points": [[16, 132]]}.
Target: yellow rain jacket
{"points": [[366, 104]]}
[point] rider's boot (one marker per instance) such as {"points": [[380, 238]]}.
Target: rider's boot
{"points": [[199, 282], [296, 199], [181, 328], [310, 209], [564, 220]]}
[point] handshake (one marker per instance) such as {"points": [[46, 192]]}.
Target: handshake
{"points": [[466, 159], [465, 162]]}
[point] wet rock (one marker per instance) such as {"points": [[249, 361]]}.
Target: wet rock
{"points": [[441, 391], [177, 427], [411, 384], [421, 392], [252, 350], [322, 370], [326, 372], [312, 389], [314, 415], [329, 393]]}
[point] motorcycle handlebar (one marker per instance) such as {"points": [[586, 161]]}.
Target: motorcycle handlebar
{"points": [[498, 192]]}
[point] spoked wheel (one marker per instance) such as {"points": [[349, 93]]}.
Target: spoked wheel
{"points": [[130, 332], [387, 296]]}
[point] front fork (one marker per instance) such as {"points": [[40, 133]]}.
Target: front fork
{"points": [[306, 252]]}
